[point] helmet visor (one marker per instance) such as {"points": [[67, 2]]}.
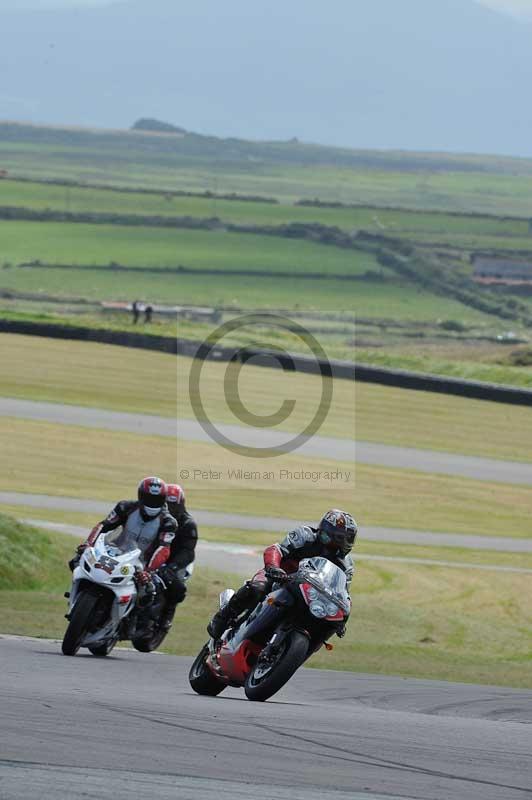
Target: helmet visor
{"points": [[152, 500]]}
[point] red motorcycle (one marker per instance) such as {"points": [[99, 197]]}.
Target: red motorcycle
{"points": [[264, 648]]}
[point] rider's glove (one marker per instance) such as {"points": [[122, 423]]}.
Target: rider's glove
{"points": [[276, 574], [80, 549], [167, 573], [143, 577]]}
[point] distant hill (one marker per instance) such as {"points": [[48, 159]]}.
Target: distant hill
{"points": [[156, 126], [440, 75], [214, 151]]}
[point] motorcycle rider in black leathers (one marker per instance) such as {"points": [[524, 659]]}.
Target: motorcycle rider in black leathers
{"points": [[145, 522], [179, 565], [333, 539]]}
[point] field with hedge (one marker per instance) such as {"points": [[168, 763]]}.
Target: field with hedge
{"points": [[190, 220], [465, 230]]}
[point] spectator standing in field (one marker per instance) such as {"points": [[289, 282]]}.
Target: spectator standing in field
{"points": [[148, 313], [135, 311]]}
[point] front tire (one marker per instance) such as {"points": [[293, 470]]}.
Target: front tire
{"points": [[262, 683], [201, 678], [80, 619]]}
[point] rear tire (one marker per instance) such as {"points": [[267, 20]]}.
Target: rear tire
{"points": [[201, 677], [78, 625], [264, 687], [148, 644]]}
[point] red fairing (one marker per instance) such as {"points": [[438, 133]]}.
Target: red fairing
{"points": [[160, 557], [273, 556], [237, 664], [93, 535]]}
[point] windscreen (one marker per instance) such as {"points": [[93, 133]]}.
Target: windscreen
{"points": [[325, 576], [116, 544]]}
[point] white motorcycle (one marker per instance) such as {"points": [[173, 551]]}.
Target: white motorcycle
{"points": [[103, 596]]}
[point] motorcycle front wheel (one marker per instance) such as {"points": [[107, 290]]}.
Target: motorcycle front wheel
{"points": [[266, 678], [78, 625], [201, 677]]}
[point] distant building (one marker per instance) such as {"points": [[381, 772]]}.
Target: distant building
{"points": [[503, 270]]}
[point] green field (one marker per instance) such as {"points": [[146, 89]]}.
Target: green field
{"points": [[86, 245], [464, 231], [399, 300], [285, 170], [410, 620], [379, 295], [385, 296]]}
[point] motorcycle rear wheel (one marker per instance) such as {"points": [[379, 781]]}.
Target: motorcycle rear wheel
{"points": [[201, 677], [147, 644], [261, 683], [78, 625]]}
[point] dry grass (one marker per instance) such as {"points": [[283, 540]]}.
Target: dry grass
{"points": [[103, 465], [105, 376], [442, 623]]}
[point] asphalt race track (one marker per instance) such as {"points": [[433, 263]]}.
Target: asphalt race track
{"points": [[345, 450], [129, 726]]}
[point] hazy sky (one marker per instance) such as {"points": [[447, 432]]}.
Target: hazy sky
{"points": [[519, 7], [516, 7]]}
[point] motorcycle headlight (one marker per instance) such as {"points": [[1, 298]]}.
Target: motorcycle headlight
{"points": [[318, 608], [90, 558], [313, 594], [332, 609]]}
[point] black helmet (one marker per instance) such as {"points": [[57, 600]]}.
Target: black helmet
{"points": [[152, 493], [339, 530]]}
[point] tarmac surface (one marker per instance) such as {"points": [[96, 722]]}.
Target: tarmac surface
{"points": [[343, 450], [130, 726]]}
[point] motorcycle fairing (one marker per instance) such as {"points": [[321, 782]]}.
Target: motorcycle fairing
{"points": [[101, 571], [233, 660], [236, 662]]}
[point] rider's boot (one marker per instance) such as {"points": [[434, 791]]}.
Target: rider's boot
{"points": [[165, 622], [220, 622], [246, 598]]}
